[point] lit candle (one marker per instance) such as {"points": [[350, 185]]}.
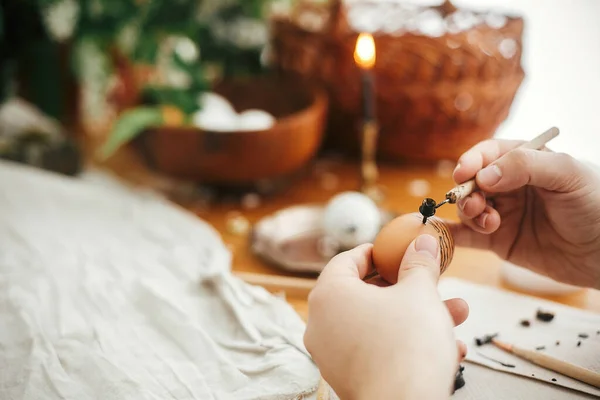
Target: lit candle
{"points": [[364, 56]]}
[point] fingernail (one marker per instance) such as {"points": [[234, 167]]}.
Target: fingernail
{"points": [[463, 203], [427, 244], [481, 219], [456, 168], [489, 176]]}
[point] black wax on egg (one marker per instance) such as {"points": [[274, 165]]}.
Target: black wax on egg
{"points": [[427, 208]]}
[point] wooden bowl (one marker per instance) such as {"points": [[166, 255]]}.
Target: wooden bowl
{"points": [[242, 158]]}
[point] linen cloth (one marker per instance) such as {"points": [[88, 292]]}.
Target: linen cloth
{"points": [[107, 292]]}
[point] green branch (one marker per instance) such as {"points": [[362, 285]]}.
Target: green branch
{"points": [[128, 126]]}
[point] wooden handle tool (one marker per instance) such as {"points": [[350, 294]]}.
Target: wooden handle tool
{"points": [[464, 189], [554, 364]]}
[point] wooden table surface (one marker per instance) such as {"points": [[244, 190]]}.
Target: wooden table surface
{"points": [[404, 188]]}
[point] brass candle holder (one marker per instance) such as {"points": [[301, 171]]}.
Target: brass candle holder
{"points": [[369, 170]]}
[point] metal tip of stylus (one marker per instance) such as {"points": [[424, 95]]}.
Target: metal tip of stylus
{"points": [[442, 203]]}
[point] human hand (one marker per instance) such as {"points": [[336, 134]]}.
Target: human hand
{"points": [[375, 341], [536, 209]]}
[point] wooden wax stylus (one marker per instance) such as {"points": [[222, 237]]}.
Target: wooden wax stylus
{"points": [[464, 189], [554, 364]]}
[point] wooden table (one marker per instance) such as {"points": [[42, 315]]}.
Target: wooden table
{"points": [[324, 179]]}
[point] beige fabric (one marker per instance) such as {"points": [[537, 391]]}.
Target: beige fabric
{"points": [[108, 293]]}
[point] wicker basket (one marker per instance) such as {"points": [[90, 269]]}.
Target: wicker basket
{"points": [[437, 93]]}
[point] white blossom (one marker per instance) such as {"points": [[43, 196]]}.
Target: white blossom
{"points": [[60, 19], [186, 49]]}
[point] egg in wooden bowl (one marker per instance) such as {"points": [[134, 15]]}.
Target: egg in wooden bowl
{"points": [[291, 117]]}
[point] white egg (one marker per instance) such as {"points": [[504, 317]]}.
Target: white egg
{"points": [[216, 114], [213, 102], [217, 121], [255, 120], [351, 219]]}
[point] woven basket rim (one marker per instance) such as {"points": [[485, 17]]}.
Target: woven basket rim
{"points": [[337, 17]]}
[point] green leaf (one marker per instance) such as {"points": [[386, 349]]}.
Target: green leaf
{"points": [[146, 50], [170, 15], [254, 8], [130, 124]]}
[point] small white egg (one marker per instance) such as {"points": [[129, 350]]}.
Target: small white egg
{"points": [[351, 219], [213, 102], [214, 120], [255, 120]]}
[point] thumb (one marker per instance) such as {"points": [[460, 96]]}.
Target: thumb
{"points": [[422, 255], [557, 172]]}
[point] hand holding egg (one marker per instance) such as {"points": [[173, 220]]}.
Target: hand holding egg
{"points": [[407, 323]]}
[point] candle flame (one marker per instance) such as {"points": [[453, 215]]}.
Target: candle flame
{"points": [[364, 54]]}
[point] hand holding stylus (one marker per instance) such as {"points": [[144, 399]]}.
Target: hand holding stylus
{"points": [[536, 209]]}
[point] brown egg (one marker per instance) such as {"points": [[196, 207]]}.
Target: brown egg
{"points": [[395, 237]]}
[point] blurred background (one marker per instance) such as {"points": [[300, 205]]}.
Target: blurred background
{"points": [[232, 93], [244, 111]]}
